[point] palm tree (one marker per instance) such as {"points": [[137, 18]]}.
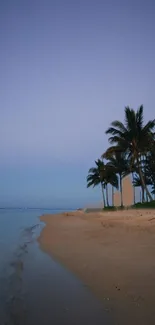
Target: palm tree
{"points": [[150, 168], [96, 177], [137, 183], [133, 171], [133, 138], [110, 178], [134, 194], [103, 175], [119, 164], [113, 203]]}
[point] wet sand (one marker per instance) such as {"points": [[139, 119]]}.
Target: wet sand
{"points": [[113, 253], [37, 290]]}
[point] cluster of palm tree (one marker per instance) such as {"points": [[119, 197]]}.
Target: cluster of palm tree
{"points": [[131, 151]]}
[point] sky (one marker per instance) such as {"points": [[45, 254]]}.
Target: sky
{"points": [[68, 69]]}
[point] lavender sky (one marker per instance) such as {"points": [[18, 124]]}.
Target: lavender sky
{"points": [[68, 68]]}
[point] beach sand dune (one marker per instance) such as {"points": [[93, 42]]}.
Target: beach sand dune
{"points": [[111, 252]]}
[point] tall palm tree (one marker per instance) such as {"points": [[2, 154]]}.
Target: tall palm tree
{"points": [[119, 164], [133, 138]]}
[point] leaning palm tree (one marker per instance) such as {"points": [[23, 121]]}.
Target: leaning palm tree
{"points": [[119, 164], [137, 183], [133, 138]]}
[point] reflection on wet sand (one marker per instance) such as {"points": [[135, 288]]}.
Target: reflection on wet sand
{"points": [[39, 291], [13, 301]]}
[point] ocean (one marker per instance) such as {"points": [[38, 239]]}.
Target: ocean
{"points": [[34, 288]]}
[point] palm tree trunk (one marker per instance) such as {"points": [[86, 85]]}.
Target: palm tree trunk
{"points": [[134, 197], [106, 188], [104, 203], [143, 195], [112, 196], [143, 181], [121, 190]]}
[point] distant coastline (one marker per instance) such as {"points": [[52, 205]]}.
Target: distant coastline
{"points": [[37, 208]]}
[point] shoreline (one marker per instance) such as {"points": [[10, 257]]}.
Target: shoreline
{"points": [[113, 253]]}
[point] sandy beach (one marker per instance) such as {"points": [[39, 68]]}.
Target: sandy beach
{"points": [[113, 253]]}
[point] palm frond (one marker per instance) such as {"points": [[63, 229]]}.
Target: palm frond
{"points": [[92, 177], [92, 170], [92, 183], [130, 119], [140, 117], [120, 141], [148, 127], [110, 151], [114, 132], [119, 126]]}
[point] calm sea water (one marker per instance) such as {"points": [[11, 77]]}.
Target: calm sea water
{"points": [[35, 289]]}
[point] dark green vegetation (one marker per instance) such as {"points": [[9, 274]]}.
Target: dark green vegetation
{"points": [[131, 152], [144, 205]]}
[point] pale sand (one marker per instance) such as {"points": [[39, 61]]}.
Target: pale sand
{"points": [[111, 252]]}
